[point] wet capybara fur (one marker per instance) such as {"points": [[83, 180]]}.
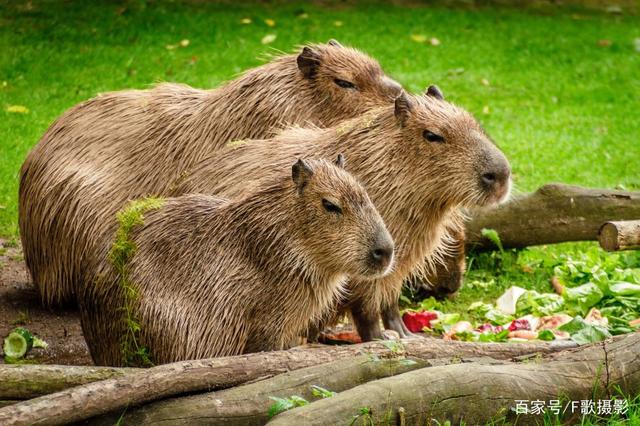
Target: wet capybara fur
{"points": [[130, 144], [420, 160], [218, 277]]}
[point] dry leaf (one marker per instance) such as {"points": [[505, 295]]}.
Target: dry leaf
{"points": [[269, 38], [338, 23], [171, 46], [604, 43], [434, 41], [419, 38], [245, 21], [485, 109], [270, 22], [19, 109], [484, 82], [303, 16], [184, 43]]}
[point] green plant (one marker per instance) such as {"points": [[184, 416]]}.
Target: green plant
{"points": [[121, 253]]}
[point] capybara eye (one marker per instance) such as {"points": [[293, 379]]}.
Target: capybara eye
{"points": [[330, 207], [344, 84], [432, 137]]}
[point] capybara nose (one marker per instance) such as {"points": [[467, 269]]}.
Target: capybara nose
{"points": [[496, 176], [382, 253]]}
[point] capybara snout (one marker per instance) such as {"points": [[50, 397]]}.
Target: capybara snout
{"points": [[381, 254], [495, 175]]}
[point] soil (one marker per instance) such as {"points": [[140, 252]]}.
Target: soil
{"points": [[20, 307]]}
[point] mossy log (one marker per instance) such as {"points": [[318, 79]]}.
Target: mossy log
{"points": [[554, 213], [30, 381], [475, 393], [623, 235], [249, 404], [163, 381]]}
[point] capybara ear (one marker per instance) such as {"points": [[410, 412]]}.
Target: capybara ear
{"points": [[340, 161], [301, 174], [308, 62], [435, 92], [402, 108], [334, 42]]}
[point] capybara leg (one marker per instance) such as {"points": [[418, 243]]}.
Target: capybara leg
{"points": [[392, 321], [367, 323]]}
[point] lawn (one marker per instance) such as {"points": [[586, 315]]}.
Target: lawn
{"points": [[558, 89]]}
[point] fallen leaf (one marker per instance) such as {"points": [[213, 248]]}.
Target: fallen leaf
{"points": [[614, 9], [171, 46], [338, 23], [184, 43], [270, 22], [269, 38], [18, 109], [636, 45], [484, 82], [245, 21], [303, 16], [5, 84], [434, 41], [604, 43], [456, 71], [419, 38], [485, 109]]}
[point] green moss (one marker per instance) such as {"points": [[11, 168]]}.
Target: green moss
{"points": [[120, 255]]}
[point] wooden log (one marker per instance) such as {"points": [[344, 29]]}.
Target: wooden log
{"points": [[624, 235], [249, 404], [554, 213], [474, 393], [160, 382], [29, 381]]}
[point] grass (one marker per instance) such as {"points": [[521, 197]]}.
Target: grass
{"points": [[563, 107], [557, 88]]}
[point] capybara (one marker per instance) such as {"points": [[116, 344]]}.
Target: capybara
{"points": [[420, 160], [130, 144], [215, 277]]}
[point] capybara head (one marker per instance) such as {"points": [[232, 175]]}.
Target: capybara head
{"points": [[341, 227], [346, 78], [451, 151]]}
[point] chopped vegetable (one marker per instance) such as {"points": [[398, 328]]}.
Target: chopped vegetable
{"points": [[507, 302], [19, 342], [519, 324]]}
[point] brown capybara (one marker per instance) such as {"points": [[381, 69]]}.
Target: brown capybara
{"points": [[443, 279], [130, 144], [216, 277], [420, 160]]}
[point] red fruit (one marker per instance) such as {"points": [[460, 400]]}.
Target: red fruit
{"points": [[519, 324], [416, 321], [490, 328]]}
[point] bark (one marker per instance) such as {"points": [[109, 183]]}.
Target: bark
{"points": [[554, 213], [29, 381], [160, 382], [249, 404], [477, 393], [624, 235]]}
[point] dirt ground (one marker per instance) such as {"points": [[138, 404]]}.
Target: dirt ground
{"points": [[20, 306]]}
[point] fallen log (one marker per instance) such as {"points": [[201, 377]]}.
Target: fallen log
{"points": [[475, 393], [30, 381], [249, 404], [624, 235], [554, 213], [160, 382]]}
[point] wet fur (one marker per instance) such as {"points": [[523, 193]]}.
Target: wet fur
{"points": [[417, 186], [217, 277], [129, 144]]}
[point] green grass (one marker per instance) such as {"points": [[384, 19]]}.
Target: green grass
{"points": [[562, 107]]}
